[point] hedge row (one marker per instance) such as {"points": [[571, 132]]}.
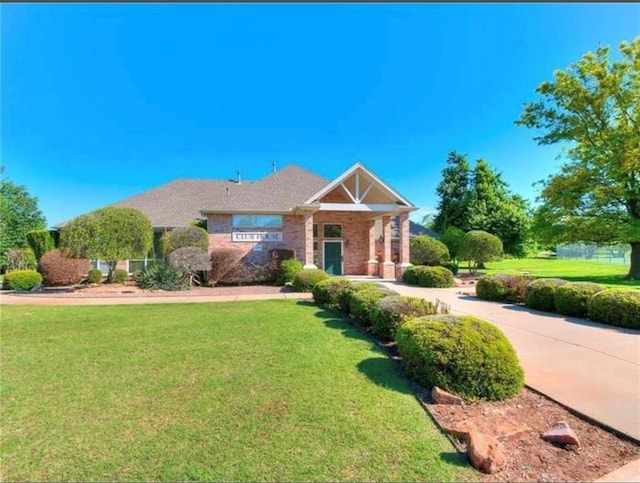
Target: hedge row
{"points": [[619, 307], [464, 355]]}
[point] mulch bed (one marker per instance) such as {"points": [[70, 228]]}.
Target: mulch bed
{"points": [[519, 422]]}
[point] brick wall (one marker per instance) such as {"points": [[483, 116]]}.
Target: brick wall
{"points": [[355, 238]]}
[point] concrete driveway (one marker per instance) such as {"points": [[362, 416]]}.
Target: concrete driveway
{"points": [[590, 367]]}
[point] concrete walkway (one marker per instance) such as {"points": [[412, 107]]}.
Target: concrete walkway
{"points": [[589, 367]]}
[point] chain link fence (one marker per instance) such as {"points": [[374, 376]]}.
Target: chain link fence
{"points": [[584, 251]]}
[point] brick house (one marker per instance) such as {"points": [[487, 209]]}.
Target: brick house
{"points": [[354, 224]]}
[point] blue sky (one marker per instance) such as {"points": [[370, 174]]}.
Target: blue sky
{"points": [[100, 102]]}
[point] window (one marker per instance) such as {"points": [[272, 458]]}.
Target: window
{"points": [[333, 231], [315, 231], [257, 221]]}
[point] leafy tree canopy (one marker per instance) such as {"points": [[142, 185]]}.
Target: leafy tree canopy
{"points": [[594, 107], [19, 214], [110, 234]]}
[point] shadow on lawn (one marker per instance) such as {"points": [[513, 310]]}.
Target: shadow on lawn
{"points": [[455, 458]]}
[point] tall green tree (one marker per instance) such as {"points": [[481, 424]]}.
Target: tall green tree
{"points": [[594, 107], [111, 234], [479, 199], [453, 190], [19, 214], [494, 209]]}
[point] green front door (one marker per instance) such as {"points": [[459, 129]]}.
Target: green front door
{"points": [[333, 257]]}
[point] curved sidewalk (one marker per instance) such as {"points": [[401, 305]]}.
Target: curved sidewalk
{"points": [[589, 367]]}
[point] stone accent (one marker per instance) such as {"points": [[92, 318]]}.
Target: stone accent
{"points": [[485, 452], [440, 396], [561, 433]]}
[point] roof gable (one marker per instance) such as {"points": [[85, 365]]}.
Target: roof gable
{"points": [[360, 186]]}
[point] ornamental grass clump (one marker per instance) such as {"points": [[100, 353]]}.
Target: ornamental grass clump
{"points": [[573, 298], [390, 312], [617, 307], [161, 278], [540, 294], [461, 354]]}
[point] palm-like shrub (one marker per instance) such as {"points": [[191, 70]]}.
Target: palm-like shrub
{"points": [[161, 278]]}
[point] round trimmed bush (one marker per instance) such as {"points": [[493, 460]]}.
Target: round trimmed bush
{"points": [[94, 276], [305, 279], [390, 312], [540, 294], [22, 279], [617, 307], [120, 275], [502, 287], [573, 298], [435, 277], [58, 270], [461, 354], [426, 250], [410, 276], [361, 303], [345, 294], [330, 291], [288, 269]]}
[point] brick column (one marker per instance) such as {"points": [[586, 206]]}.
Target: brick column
{"points": [[388, 267], [372, 263], [308, 241], [404, 246]]}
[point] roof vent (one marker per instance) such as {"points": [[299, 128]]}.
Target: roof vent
{"points": [[227, 188], [239, 180], [274, 165]]}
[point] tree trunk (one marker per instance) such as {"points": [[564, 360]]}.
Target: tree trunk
{"points": [[112, 270], [634, 269]]}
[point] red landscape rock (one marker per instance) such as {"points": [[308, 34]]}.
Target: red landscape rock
{"points": [[484, 451], [441, 396], [561, 433]]}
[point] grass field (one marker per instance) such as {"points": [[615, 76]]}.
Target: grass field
{"points": [[610, 274], [259, 391]]}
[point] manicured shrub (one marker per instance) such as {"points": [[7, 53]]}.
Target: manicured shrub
{"points": [[361, 303], [305, 280], [181, 237], [288, 269], [502, 287], [410, 276], [452, 267], [436, 277], [223, 262], [479, 247], [190, 260], [329, 292], [426, 250], [344, 295], [41, 242], [20, 259], [573, 298], [617, 307], [58, 270], [22, 279], [160, 278], [94, 276], [540, 293], [390, 312], [120, 275], [461, 354]]}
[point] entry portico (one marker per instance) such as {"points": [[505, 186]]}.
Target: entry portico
{"points": [[345, 213]]}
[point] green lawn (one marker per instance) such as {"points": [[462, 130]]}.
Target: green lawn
{"points": [[609, 274], [269, 390]]}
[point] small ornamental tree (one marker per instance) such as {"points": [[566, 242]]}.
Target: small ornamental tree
{"points": [[479, 247], [426, 250], [190, 260], [111, 234], [182, 237]]}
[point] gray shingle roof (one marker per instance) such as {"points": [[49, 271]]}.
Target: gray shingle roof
{"points": [[181, 201]]}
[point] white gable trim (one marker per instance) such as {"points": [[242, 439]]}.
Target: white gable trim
{"points": [[340, 180]]}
